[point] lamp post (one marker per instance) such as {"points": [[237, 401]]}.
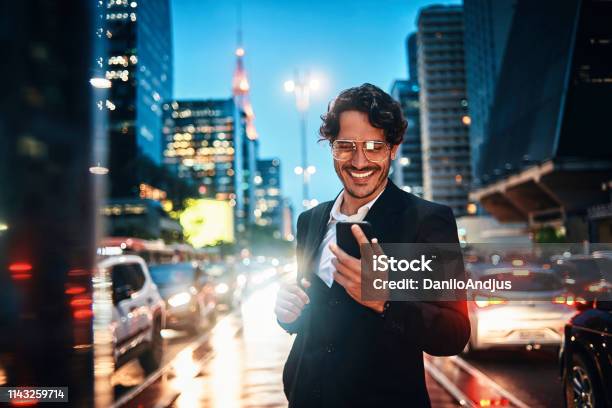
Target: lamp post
{"points": [[301, 86]]}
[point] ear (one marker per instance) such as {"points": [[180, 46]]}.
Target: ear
{"points": [[394, 151]]}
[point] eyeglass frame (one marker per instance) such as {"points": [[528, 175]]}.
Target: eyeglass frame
{"points": [[354, 142]]}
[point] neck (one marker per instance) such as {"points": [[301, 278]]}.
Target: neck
{"points": [[351, 204]]}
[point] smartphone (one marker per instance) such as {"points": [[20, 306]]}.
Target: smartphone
{"points": [[347, 241]]}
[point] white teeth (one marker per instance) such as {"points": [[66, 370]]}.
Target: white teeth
{"points": [[361, 175]]}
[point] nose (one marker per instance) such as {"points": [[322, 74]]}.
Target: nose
{"points": [[359, 161]]}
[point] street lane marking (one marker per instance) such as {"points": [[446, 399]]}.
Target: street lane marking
{"points": [[154, 376], [473, 371], [190, 348], [448, 385]]}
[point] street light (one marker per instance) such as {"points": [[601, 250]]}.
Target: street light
{"points": [[301, 86]]}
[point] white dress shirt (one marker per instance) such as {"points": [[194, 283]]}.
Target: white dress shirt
{"points": [[326, 268]]}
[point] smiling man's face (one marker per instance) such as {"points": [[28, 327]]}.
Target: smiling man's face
{"points": [[362, 179]]}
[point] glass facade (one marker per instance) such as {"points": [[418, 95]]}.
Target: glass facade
{"points": [[269, 203], [487, 24], [408, 167], [139, 66], [200, 139], [204, 148], [443, 100]]}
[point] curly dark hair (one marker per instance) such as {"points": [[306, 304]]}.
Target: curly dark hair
{"points": [[382, 110]]}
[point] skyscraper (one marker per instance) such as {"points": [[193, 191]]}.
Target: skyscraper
{"points": [[408, 168], [268, 199], [547, 158], [139, 65], [200, 145], [411, 55], [487, 24], [444, 119]]}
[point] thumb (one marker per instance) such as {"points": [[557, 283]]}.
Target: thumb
{"points": [[305, 283]]}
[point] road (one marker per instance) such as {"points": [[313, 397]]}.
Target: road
{"points": [[533, 376], [239, 364]]}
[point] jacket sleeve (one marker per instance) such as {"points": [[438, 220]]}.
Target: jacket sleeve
{"points": [[443, 327], [302, 226]]}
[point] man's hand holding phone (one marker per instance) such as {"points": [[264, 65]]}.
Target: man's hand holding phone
{"points": [[290, 302], [348, 269]]}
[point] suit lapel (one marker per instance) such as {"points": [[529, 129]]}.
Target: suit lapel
{"points": [[383, 211]]}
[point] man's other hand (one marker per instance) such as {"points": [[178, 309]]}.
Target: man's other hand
{"points": [[290, 302]]}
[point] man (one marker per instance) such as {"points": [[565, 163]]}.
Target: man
{"points": [[349, 352]]}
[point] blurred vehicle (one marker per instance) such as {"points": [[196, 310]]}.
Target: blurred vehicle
{"points": [[584, 275], [260, 269], [586, 357], [138, 312], [531, 315], [188, 293], [228, 283], [152, 251]]}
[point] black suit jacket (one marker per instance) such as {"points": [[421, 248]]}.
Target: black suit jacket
{"points": [[347, 355]]}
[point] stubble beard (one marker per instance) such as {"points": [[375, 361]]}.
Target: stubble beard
{"points": [[342, 171]]}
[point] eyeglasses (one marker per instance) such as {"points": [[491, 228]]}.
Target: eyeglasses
{"points": [[374, 150]]}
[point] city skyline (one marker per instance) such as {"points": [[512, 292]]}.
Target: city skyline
{"points": [[204, 38]]}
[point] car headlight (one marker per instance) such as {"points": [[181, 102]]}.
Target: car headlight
{"points": [[179, 299], [221, 288]]}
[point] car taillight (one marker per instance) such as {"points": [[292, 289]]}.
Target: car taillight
{"points": [[569, 300], [20, 270], [598, 286], [486, 301]]}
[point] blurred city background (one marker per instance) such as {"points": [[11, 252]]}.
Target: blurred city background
{"points": [[157, 153]]}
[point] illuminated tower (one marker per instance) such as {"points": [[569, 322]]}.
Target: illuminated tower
{"points": [[246, 141]]}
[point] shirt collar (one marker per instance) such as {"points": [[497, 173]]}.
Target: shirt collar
{"points": [[335, 215]]}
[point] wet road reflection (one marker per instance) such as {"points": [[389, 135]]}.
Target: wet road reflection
{"points": [[245, 365], [239, 364]]}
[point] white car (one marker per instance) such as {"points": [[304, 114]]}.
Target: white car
{"points": [[531, 316], [139, 313]]}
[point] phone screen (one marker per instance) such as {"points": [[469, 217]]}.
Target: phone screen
{"points": [[347, 241]]}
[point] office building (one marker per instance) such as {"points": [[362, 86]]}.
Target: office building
{"points": [[411, 55], [139, 66], [547, 158], [443, 107], [207, 150], [268, 199], [486, 24], [408, 168], [200, 145]]}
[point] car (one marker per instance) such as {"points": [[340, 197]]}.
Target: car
{"points": [[532, 315], [229, 284], [139, 313], [584, 275], [585, 356], [189, 295]]}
